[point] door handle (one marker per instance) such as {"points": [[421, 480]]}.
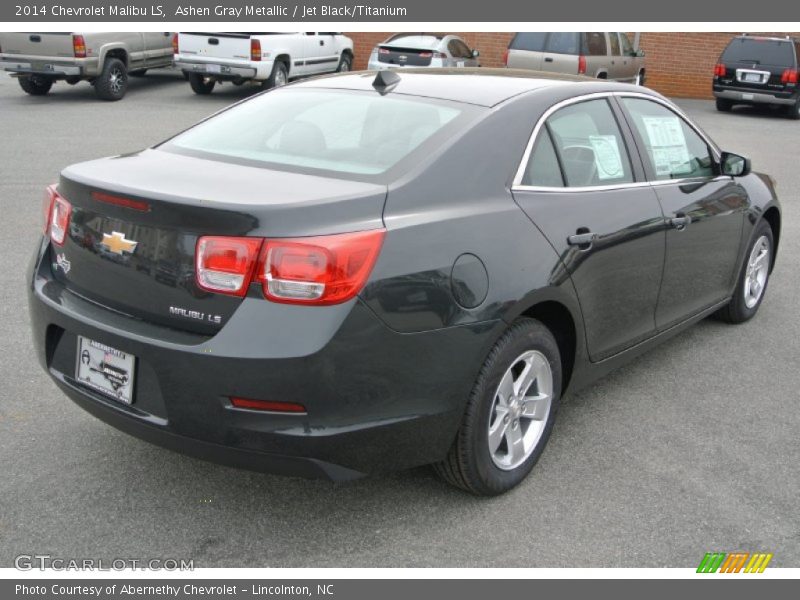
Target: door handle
{"points": [[548, 59], [680, 221], [583, 239]]}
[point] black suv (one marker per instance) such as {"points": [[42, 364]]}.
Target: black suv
{"points": [[759, 70]]}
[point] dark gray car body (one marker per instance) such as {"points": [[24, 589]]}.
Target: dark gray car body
{"points": [[385, 376]]}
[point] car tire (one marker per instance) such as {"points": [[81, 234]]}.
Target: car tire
{"points": [[138, 73], [345, 64], [35, 85], [112, 83], [201, 85], [793, 110], [482, 465], [724, 105], [279, 76], [753, 277]]}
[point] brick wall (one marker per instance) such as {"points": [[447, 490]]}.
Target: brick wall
{"points": [[678, 64]]}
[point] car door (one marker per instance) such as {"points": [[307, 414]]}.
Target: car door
{"points": [[704, 211], [318, 50], [561, 52], [595, 50], [630, 65], [616, 69], [585, 191]]}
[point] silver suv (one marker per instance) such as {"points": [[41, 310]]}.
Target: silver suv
{"points": [[594, 54]]}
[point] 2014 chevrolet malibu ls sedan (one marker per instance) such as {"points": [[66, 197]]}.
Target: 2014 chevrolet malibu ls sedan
{"points": [[363, 273]]}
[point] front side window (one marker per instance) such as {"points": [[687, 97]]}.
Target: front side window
{"points": [[673, 148], [588, 145], [614, 41], [344, 132], [627, 47]]}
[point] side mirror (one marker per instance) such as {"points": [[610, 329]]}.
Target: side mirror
{"points": [[734, 165], [475, 54]]}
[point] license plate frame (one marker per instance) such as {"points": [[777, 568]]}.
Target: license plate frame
{"points": [[107, 370]]}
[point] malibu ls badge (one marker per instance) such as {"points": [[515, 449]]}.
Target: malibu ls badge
{"points": [[186, 313]]}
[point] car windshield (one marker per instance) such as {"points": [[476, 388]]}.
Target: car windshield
{"points": [[760, 52], [359, 133]]}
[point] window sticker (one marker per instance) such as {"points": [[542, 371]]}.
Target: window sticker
{"points": [[607, 157], [670, 152]]}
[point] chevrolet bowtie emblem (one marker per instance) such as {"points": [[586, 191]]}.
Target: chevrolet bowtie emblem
{"points": [[117, 243]]}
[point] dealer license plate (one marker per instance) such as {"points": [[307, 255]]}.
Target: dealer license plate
{"points": [[105, 369]]}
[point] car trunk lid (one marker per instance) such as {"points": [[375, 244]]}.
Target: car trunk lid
{"points": [[136, 220]]}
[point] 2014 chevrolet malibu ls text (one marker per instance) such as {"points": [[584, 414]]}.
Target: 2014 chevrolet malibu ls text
{"points": [[363, 273]]}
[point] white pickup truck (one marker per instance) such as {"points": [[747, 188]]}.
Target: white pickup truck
{"points": [[269, 59]]}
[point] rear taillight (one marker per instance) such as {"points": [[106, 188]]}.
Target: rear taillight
{"points": [[47, 207], [581, 65], [789, 76], [505, 57], [175, 46], [57, 216], [425, 54], [720, 70], [320, 270], [255, 50], [78, 46], [225, 264], [439, 55], [383, 51]]}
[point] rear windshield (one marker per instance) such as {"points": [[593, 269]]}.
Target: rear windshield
{"points": [[358, 133], [760, 52]]}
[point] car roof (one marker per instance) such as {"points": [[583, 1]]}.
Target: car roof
{"points": [[761, 38], [471, 85]]}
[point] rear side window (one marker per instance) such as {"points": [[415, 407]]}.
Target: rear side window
{"points": [[760, 51], [596, 44], [588, 147], [674, 149], [355, 133], [561, 42], [543, 168], [531, 41]]}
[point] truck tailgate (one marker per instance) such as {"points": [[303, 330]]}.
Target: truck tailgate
{"points": [[37, 44], [225, 46]]}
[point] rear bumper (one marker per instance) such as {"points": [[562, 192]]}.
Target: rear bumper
{"points": [[744, 95], [47, 69], [376, 400], [217, 70]]}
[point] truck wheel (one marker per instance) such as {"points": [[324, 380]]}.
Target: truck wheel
{"points": [[201, 85], [724, 105], [138, 73], [279, 77], [35, 85], [345, 64], [113, 80]]}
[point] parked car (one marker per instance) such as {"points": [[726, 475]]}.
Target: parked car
{"points": [[267, 59], [104, 59], [594, 54], [373, 290], [759, 70], [422, 50]]}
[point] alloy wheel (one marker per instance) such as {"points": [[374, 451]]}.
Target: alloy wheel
{"points": [[755, 277], [520, 409]]}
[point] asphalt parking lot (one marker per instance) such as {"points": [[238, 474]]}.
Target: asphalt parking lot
{"points": [[692, 448]]}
